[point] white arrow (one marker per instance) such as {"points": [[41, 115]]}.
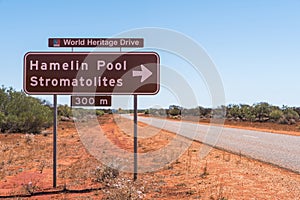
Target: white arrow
{"points": [[145, 73]]}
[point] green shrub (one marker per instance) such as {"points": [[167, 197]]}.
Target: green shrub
{"points": [[99, 112], [22, 113], [276, 115], [2, 117], [64, 110], [262, 111], [174, 110], [289, 114]]}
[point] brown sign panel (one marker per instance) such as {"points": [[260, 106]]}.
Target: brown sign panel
{"points": [[91, 73], [90, 100], [96, 42]]}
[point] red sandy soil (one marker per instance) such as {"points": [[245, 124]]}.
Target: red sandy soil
{"points": [[26, 167]]}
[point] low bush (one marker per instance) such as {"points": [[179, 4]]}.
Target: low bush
{"points": [[276, 115], [99, 112], [22, 113]]}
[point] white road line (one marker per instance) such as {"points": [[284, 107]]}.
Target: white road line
{"points": [[250, 136]]}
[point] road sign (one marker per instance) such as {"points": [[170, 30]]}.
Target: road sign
{"points": [[91, 73], [96, 42], [90, 100]]}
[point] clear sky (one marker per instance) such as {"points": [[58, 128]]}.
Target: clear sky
{"points": [[255, 44]]}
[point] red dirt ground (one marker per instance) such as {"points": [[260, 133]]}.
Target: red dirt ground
{"points": [[26, 168]]}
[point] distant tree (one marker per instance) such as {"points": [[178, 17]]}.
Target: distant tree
{"points": [[174, 110], [147, 112], [297, 109], [262, 111], [247, 113], [205, 112], [276, 115], [64, 110], [233, 111], [290, 113]]}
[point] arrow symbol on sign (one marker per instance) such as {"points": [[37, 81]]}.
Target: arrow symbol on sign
{"points": [[145, 73]]}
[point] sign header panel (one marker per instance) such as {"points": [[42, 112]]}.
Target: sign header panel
{"points": [[96, 42], [91, 73]]}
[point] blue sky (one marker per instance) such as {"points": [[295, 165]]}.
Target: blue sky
{"points": [[255, 44]]}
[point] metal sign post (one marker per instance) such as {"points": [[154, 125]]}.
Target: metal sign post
{"points": [[135, 139], [54, 138]]}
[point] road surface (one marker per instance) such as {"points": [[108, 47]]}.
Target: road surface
{"points": [[278, 149]]}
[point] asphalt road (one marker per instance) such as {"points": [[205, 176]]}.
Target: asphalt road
{"points": [[278, 149]]}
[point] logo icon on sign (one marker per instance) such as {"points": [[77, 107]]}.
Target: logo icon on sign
{"points": [[56, 42]]}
